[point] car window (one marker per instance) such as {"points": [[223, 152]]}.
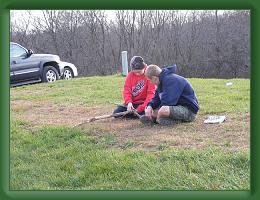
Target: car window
{"points": [[17, 51]]}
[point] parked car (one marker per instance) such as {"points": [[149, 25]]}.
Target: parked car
{"points": [[27, 67]]}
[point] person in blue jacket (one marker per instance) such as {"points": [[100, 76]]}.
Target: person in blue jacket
{"points": [[174, 100]]}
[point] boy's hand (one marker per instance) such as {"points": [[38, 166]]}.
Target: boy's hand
{"points": [[130, 106], [148, 111]]}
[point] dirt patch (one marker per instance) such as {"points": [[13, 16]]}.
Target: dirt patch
{"points": [[233, 134], [46, 113], [21, 106]]}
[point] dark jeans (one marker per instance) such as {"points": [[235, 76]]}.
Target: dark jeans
{"points": [[123, 108]]}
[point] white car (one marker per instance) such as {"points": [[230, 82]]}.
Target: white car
{"points": [[69, 70], [27, 67]]}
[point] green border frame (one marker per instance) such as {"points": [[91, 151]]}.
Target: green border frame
{"points": [[7, 5]]}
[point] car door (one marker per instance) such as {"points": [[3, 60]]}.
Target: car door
{"points": [[22, 67]]}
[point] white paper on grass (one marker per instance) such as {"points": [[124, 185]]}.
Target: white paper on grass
{"points": [[213, 119], [229, 84]]}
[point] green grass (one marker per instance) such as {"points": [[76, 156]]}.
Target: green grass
{"points": [[213, 95], [87, 91], [65, 159], [60, 157]]}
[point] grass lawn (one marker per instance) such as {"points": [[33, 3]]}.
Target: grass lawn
{"points": [[50, 152]]}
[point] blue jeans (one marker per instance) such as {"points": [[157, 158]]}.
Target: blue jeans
{"points": [[123, 108]]}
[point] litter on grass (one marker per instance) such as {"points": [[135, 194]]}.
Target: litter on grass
{"points": [[229, 84], [214, 119]]}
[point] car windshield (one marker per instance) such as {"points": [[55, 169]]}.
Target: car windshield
{"points": [[17, 51]]}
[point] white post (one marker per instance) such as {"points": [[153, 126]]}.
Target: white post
{"points": [[124, 63]]}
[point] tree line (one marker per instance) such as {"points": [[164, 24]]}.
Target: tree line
{"points": [[203, 43]]}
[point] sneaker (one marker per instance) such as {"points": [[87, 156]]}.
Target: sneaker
{"points": [[168, 122], [146, 120]]}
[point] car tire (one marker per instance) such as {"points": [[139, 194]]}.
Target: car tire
{"points": [[50, 74], [68, 73]]}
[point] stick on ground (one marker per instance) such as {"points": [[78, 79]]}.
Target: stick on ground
{"points": [[121, 114]]}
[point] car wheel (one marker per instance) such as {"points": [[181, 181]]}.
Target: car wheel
{"points": [[50, 74], [68, 74]]}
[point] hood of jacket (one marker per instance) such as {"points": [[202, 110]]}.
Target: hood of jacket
{"points": [[168, 70]]}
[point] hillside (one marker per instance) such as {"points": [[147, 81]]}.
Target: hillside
{"points": [[46, 124]]}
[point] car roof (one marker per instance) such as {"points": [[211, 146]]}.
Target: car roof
{"points": [[18, 45]]}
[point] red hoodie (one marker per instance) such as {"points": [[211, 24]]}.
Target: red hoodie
{"points": [[138, 90]]}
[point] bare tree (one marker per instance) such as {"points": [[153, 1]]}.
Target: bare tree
{"points": [[202, 43]]}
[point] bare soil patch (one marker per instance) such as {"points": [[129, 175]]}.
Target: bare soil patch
{"points": [[233, 134]]}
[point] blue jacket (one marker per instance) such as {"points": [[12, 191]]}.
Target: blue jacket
{"points": [[174, 90]]}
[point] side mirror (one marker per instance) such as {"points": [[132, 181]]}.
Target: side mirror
{"points": [[30, 52]]}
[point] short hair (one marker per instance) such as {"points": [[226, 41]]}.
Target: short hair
{"points": [[152, 70], [137, 63]]}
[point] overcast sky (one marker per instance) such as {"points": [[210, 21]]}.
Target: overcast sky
{"points": [[22, 17], [17, 14]]}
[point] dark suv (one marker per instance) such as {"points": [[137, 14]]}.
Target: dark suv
{"points": [[27, 67]]}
